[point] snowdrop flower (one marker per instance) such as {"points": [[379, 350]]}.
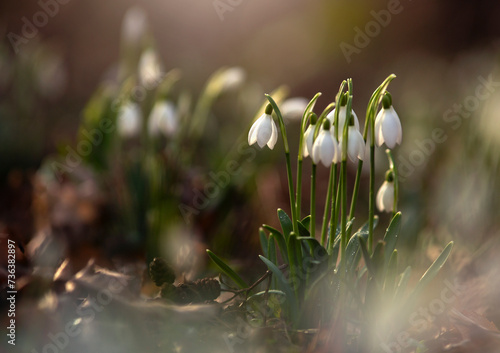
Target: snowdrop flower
{"points": [[232, 78], [355, 143], [225, 79], [387, 125], [385, 195], [342, 117], [325, 147], [150, 70], [163, 119], [264, 130], [309, 135], [293, 108], [129, 120], [134, 25]]}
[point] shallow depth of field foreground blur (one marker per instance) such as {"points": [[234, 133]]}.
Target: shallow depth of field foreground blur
{"points": [[86, 233]]}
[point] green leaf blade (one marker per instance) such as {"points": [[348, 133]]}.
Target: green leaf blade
{"points": [[227, 270]]}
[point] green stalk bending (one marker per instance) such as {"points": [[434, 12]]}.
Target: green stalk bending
{"points": [[288, 163], [371, 110], [298, 197]]}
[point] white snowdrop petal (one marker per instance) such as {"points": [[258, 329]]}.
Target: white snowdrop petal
{"points": [[342, 117], [129, 120], [352, 148], [379, 138], [317, 149], [327, 150], [274, 135], [380, 198], [232, 78], [389, 130], [162, 119], [385, 197], [150, 70], [264, 133], [337, 156], [308, 140], [361, 149], [389, 197], [252, 134]]}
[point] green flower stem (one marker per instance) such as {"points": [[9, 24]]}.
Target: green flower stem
{"points": [[334, 210], [371, 193], [371, 110], [334, 177], [357, 181], [343, 178], [394, 169], [298, 197], [312, 223], [328, 201], [356, 189], [343, 218], [333, 215], [288, 163], [303, 123]]}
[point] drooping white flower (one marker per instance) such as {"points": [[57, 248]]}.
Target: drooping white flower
{"points": [[355, 144], [342, 118], [232, 78], [150, 69], [387, 125], [309, 136], [134, 25], [129, 120], [325, 147], [385, 197], [225, 79], [308, 140], [293, 108], [264, 130], [163, 119]]}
